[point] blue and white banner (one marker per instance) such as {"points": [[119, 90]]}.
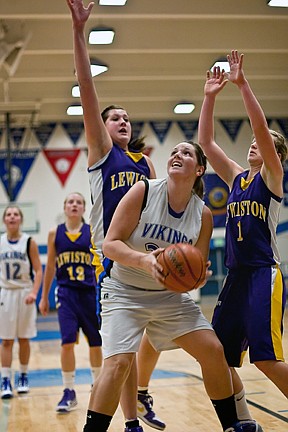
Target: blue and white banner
{"points": [[17, 135], [44, 132], [73, 130], [21, 162], [189, 128], [283, 123], [216, 195], [232, 127], [137, 126], [161, 129], [269, 121]]}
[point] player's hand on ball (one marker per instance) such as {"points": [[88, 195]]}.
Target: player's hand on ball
{"points": [[183, 266], [150, 264], [208, 274]]}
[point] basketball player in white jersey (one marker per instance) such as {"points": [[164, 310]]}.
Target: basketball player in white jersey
{"points": [[20, 280], [151, 216]]}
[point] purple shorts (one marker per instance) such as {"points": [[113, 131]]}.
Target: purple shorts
{"points": [[249, 313], [77, 310]]}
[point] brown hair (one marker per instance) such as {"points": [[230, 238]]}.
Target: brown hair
{"points": [[198, 187], [135, 144]]}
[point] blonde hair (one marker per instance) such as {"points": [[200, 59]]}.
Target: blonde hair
{"points": [[75, 193], [13, 206], [280, 144], [83, 199]]}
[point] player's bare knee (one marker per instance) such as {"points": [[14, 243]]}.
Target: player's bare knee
{"points": [[213, 353], [119, 365], [7, 343], [218, 352]]}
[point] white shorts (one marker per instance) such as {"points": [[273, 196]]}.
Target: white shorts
{"points": [[17, 319], [128, 311]]}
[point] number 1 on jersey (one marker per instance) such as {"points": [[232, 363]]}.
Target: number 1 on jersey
{"points": [[240, 238]]}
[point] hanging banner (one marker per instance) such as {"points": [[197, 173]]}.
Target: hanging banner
{"points": [[188, 128], [232, 127], [73, 130], [21, 162], [161, 129], [136, 128], [269, 121], [44, 132], [283, 123], [17, 135], [216, 195], [62, 162]]}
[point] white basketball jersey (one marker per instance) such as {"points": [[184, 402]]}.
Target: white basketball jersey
{"points": [[15, 266], [159, 227]]}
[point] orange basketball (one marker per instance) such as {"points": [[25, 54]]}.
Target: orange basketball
{"points": [[183, 266]]}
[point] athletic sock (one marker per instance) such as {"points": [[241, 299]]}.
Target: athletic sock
{"points": [[23, 369], [226, 411], [6, 372], [241, 406], [68, 379], [143, 390], [97, 421], [132, 423]]}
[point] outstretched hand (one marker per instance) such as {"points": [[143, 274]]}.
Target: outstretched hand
{"points": [[215, 81], [79, 12], [236, 74]]}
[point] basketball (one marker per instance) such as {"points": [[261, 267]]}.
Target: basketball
{"points": [[183, 266]]}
